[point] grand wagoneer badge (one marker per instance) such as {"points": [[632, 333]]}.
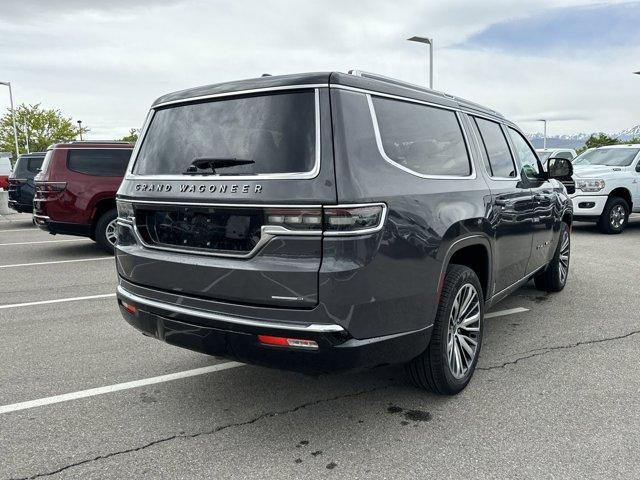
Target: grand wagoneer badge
{"points": [[198, 188]]}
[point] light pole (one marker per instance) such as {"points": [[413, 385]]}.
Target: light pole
{"points": [[544, 141], [428, 41], [13, 117], [26, 134], [80, 129]]}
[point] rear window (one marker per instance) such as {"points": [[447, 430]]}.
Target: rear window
{"points": [[102, 163], [423, 139], [34, 164], [276, 133]]}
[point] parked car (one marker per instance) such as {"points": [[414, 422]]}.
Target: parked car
{"points": [[5, 171], [607, 186], [544, 154], [76, 189], [328, 221], [21, 183]]}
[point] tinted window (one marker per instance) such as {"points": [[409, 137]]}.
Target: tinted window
{"points": [[496, 149], [613, 157], [277, 132], [34, 164], [103, 163], [566, 155], [526, 155], [544, 156], [424, 139]]}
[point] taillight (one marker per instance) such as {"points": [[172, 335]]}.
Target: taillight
{"points": [[345, 220], [338, 220], [51, 186], [295, 218], [17, 181]]}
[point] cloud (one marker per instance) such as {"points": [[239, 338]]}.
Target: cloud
{"points": [[105, 62]]}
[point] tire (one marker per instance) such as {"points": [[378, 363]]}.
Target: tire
{"points": [[554, 278], [615, 216], [105, 230], [432, 370]]}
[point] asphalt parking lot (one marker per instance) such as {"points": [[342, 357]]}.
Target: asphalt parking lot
{"points": [[556, 394]]}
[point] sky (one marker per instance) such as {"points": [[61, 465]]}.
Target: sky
{"points": [[570, 61]]}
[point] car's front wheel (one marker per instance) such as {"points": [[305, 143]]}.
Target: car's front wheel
{"points": [[554, 278], [106, 231], [614, 216], [448, 363]]}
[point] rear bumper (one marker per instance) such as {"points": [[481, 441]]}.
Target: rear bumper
{"points": [[63, 228], [236, 338], [20, 207]]}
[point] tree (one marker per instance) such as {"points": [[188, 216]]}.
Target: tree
{"points": [[132, 136], [44, 126], [599, 140]]}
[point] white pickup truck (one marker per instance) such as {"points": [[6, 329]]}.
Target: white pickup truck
{"points": [[607, 186]]}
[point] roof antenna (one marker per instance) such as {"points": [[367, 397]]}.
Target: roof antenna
{"points": [[266, 75]]}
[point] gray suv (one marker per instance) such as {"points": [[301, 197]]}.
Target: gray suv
{"points": [[325, 222]]}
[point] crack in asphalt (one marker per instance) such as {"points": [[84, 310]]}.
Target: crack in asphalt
{"points": [[544, 350], [206, 432]]}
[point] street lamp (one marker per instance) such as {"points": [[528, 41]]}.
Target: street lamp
{"points": [[544, 141], [428, 41], [13, 117], [80, 129]]}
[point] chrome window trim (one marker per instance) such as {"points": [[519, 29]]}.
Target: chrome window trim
{"points": [[313, 173], [480, 145], [363, 231], [378, 137], [457, 108], [181, 309]]}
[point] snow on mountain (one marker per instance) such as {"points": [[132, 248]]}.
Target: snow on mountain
{"points": [[577, 140]]}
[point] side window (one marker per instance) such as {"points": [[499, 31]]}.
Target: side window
{"points": [[527, 157], [496, 149], [426, 140], [34, 164], [103, 163]]}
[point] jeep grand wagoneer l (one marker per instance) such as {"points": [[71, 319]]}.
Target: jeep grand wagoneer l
{"points": [[329, 221]]}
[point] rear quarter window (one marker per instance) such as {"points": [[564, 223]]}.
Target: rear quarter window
{"points": [[102, 163], [422, 139]]}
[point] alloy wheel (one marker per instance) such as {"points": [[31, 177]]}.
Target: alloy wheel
{"points": [[565, 253], [464, 331], [618, 216], [111, 232]]}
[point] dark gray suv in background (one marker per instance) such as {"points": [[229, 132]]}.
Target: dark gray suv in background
{"points": [[328, 221]]}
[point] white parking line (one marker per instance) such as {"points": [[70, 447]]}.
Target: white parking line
{"points": [[44, 241], [55, 262], [92, 392], [22, 230], [501, 313], [58, 300]]}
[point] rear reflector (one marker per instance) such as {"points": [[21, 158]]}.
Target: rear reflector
{"points": [[287, 342], [129, 308]]}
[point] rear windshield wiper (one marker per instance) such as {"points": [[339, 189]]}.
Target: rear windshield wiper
{"points": [[209, 165]]}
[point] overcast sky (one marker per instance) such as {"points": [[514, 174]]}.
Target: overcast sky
{"points": [[105, 62]]}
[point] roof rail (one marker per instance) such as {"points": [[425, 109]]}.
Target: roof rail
{"points": [[413, 86], [97, 141]]}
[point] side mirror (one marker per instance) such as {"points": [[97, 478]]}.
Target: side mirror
{"points": [[638, 167], [560, 168]]}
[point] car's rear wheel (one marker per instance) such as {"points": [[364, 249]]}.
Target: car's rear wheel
{"points": [[614, 216], [554, 278], [448, 363], [106, 231]]}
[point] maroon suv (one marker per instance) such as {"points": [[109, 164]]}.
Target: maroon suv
{"points": [[76, 189]]}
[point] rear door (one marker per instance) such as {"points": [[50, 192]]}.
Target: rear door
{"points": [[227, 197], [511, 205]]}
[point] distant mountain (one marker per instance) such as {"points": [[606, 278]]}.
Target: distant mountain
{"points": [[577, 140]]}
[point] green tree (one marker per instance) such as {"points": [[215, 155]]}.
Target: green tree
{"points": [[44, 126], [599, 140], [132, 136]]}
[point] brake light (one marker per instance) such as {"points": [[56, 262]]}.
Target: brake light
{"points": [[51, 186], [355, 219], [287, 342], [339, 220], [129, 308]]}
